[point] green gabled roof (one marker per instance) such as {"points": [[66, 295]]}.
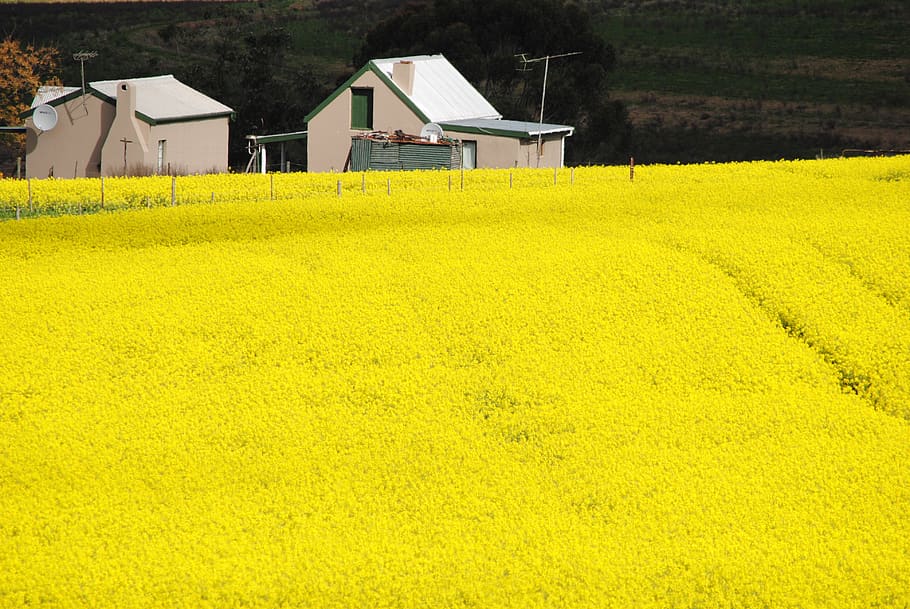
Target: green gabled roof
{"points": [[372, 67]]}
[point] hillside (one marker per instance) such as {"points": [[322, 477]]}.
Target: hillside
{"points": [[707, 80], [702, 79]]}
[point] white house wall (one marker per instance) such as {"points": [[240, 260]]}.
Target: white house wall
{"points": [[553, 154], [329, 132], [498, 152], [72, 149], [192, 147]]}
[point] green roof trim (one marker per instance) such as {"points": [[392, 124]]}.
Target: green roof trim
{"points": [[336, 93], [517, 134], [63, 99], [372, 67], [401, 95], [182, 119], [480, 131]]}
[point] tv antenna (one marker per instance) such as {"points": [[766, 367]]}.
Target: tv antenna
{"points": [[82, 57], [543, 96]]}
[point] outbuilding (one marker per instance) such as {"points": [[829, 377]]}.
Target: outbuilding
{"points": [[136, 126], [406, 94]]}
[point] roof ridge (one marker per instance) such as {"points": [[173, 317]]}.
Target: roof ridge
{"points": [[137, 79]]}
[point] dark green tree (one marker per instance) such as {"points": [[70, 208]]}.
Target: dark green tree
{"points": [[482, 38], [252, 74]]}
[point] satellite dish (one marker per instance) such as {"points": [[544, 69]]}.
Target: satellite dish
{"points": [[45, 117], [432, 132]]}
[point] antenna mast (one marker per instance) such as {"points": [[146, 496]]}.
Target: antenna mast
{"points": [[82, 57], [543, 97]]}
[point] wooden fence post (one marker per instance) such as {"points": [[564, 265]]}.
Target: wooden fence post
{"points": [[363, 182], [339, 188], [28, 181], [173, 190], [631, 169]]}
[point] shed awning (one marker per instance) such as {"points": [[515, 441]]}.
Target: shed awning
{"points": [[506, 128], [275, 138]]}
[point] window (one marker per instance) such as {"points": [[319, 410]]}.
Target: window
{"points": [[469, 155], [361, 108], [162, 155]]}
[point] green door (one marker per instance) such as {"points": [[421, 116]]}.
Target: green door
{"points": [[361, 108]]}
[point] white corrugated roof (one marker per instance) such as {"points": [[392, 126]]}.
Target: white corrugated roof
{"points": [[440, 91], [48, 93], [163, 98]]}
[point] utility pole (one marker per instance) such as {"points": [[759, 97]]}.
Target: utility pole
{"points": [[543, 97]]}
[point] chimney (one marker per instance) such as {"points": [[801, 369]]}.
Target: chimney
{"points": [[403, 75], [126, 100], [125, 145]]}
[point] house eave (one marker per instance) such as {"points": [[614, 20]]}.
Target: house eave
{"points": [[382, 76], [499, 132], [182, 119], [62, 100]]}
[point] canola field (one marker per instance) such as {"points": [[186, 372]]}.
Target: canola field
{"points": [[690, 390]]}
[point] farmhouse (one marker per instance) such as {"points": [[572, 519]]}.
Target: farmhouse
{"points": [[405, 95], [133, 126]]}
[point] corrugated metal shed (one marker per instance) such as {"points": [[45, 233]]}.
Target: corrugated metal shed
{"points": [[381, 152], [425, 156], [360, 153], [440, 91]]}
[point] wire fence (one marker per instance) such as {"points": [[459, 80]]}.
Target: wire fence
{"points": [[26, 198]]}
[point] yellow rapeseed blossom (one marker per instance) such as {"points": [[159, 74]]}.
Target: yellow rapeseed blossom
{"points": [[690, 390]]}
